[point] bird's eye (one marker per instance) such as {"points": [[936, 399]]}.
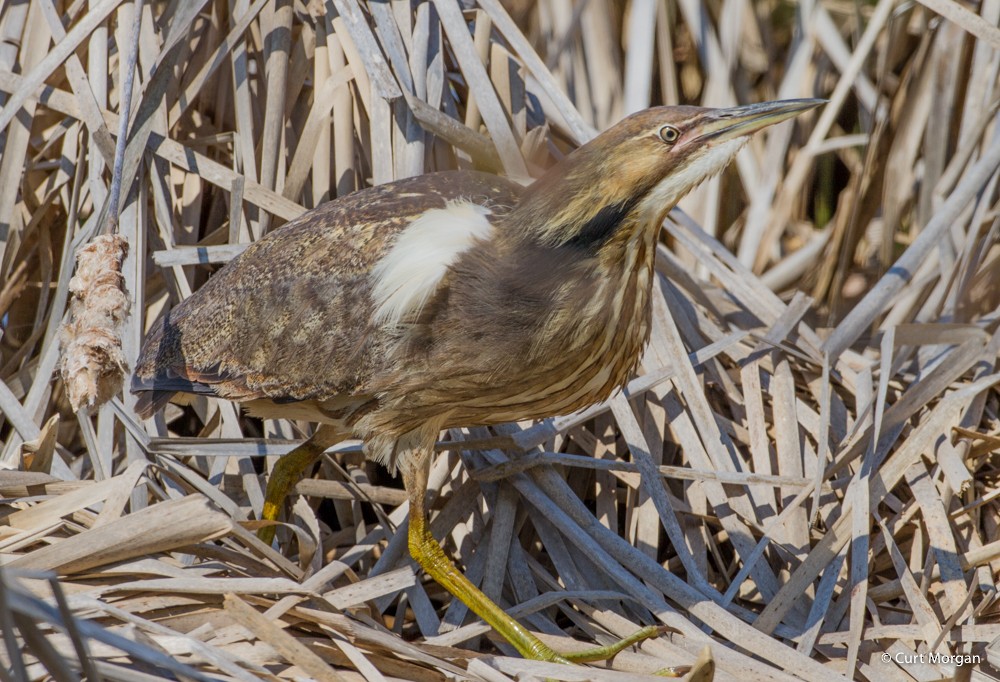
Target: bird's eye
{"points": [[669, 134]]}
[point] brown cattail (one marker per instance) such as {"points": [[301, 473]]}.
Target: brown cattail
{"points": [[93, 364]]}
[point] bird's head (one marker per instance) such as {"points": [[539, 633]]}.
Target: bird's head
{"points": [[632, 174]]}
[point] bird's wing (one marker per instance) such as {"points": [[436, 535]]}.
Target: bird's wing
{"points": [[291, 317]]}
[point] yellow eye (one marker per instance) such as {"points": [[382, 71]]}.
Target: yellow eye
{"points": [[669, 134]]}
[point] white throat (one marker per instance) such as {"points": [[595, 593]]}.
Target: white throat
{"points": [[672, 188]]}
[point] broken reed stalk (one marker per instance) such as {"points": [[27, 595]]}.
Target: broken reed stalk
{"points": [[125, 105], [93, 364]]}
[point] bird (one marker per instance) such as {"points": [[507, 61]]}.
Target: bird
{"points": [[451, 299]]}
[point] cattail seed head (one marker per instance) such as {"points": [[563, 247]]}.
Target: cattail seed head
{"points": [[93, 365]]}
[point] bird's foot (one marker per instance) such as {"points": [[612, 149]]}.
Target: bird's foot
{"points": [[604, 653]]}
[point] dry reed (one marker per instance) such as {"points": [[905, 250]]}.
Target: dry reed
{"points": [[803, 479]]}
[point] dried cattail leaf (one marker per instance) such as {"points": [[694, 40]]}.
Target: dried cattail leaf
{"points": [[36, 454], [93, 364]]}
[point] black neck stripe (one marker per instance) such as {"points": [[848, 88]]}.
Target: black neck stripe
{"points": [[599, 229]]}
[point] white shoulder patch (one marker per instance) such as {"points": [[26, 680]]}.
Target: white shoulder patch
{"points": [[406, 276]]}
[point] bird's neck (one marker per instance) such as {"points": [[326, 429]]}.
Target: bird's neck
{"points": [[611, 243], [587, 222]]}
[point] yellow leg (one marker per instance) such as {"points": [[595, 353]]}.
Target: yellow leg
{"points": [[431, 557], [289, 470]]}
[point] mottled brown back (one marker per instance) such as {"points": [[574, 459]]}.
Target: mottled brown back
{"points": [[289, 318]]}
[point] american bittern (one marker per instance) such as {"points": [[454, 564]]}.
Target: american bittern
{"points": [[446, 300]]}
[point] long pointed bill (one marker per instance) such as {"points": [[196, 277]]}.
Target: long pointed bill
{"points": [[726, 124]]}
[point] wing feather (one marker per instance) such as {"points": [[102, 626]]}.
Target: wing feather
{"points": [[291, 317]]}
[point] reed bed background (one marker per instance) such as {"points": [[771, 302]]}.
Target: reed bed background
{"points": [[803, 478]]}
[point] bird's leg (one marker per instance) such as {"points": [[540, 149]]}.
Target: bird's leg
{"points": [[431, 557], [289, 470]]}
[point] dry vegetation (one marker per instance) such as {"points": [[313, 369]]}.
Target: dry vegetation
{"points": [[804, 477]]}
